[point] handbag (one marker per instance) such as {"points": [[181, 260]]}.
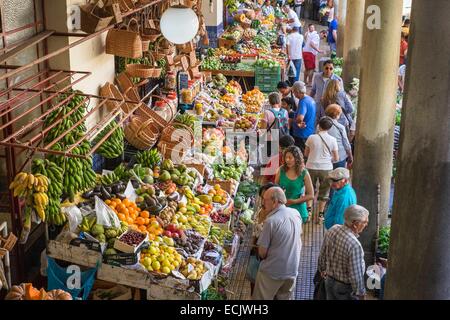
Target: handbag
{"points": [[320, 292], [328, 148], [252, 268]]}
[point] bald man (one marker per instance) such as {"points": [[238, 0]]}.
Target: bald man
{"points": [[279, 247]]}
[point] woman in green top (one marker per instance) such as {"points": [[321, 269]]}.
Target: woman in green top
{"points": [[293, 177]]}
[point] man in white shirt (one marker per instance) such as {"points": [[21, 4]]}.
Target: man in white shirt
{"points": [[292, 18], [294, 51], [310, 51], [279, 247]]}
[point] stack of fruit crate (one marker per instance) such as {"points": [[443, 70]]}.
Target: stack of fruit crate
{"points": [[266, 79]]}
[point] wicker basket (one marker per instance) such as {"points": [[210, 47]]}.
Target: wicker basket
{"points": [[109, 90], [165, 119], [143, 70], [167, 135], [127, 87], [125, 43], [140, 71], [141, 134], [93, 18]]}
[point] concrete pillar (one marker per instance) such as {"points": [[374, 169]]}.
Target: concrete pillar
{"points": [[376, 112], [354, 27], [213, 15], [420, 233], [342, 14]]}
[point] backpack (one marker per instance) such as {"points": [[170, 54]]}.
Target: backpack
{"points": [[279, 122]]}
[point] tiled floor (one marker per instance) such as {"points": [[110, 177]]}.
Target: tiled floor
{"points": [[239, 288]]}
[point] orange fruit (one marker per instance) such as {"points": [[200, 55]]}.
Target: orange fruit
{"points": [[138, 210], [116, 200], [126, 202], [130, 220], [121, 216], [147, 221], [112, 205], [120, 206], [108, 201], [140, 221], [145, 214], [142, 228], [124, 211], [133, 226], [151, 236]]}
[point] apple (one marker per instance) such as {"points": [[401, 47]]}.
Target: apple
{"points": [[167, 233], [175, 235]]}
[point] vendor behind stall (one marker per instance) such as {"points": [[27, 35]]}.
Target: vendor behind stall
{"points": [[292, 19]]}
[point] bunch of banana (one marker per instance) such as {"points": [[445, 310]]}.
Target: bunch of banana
{"points": [[67, 122], [40, 203], [25, 184], [186, 119], [109, 179], [121, 172], [55, 174], [113, 146], [188, 193], [78, 176], [149, 158], [87, 223], [34, 189]]}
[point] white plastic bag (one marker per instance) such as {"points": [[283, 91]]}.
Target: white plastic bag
{"points": [[74, 216], [130, 192], [105, 216], [292, 71]]}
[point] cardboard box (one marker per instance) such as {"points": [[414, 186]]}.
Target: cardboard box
{"points": [[124, 247]]}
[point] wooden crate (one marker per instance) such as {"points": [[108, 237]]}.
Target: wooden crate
{"points": [[226, 43]]}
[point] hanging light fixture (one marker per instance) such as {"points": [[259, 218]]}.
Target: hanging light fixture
{"points": [[179, 24]]}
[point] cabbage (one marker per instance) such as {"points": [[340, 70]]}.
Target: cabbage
{"points": [[247, 216]]}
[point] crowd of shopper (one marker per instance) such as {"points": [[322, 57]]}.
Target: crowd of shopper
{"points": [[317, 124]]}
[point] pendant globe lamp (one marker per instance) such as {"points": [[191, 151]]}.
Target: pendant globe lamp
{"points": [[179, 24]]}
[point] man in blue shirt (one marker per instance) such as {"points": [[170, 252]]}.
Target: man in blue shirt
{"points": [[332, 35], [343, 197], [305, 117]]}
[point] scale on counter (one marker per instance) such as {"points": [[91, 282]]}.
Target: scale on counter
{"points": [[182, 83]]}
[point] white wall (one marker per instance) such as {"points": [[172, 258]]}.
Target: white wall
{"points": [[88, 56], [214, 18]]}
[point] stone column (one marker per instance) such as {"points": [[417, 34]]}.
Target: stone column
{"points": [[354, 27], [376, 112], [342, 14], [420, 234]]}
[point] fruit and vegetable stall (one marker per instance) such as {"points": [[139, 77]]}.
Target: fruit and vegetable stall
{"points": [[245, 48], [151, 224]]}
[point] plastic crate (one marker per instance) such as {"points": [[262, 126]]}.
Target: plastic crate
{"points": [[268, 71]]}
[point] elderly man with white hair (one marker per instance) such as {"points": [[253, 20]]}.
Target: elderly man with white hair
{"points": [[279, 246], [341, 259], [305, 117]]}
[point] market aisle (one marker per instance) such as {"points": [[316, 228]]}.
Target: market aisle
{"points": [[312, 240]]}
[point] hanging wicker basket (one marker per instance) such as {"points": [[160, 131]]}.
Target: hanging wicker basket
{"points": [[109, 90], [125, 43]]}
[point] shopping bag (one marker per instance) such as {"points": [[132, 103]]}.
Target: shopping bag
{"points": [[292, 71], [252, 268]]}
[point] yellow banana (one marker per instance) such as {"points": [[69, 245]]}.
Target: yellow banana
{"points": [[21, 177], [18, 190], [31, 181], [13, 185]]}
